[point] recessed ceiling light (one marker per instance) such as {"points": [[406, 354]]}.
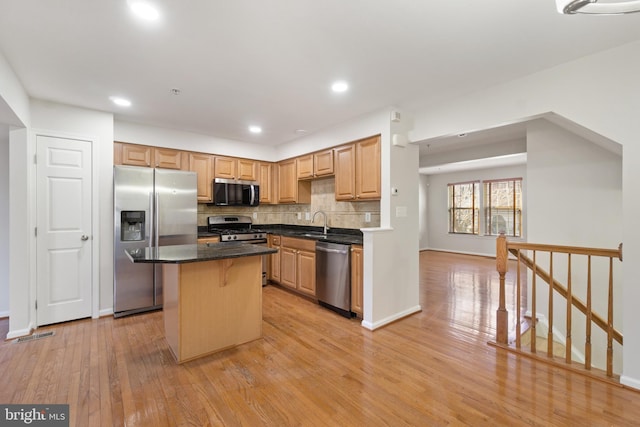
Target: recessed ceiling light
{"points": [[301, 131], [122, 102], [340, 86], [144, 9], [255, 129]]}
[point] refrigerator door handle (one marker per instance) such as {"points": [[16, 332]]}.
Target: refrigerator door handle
{"points": [[156, 221], [152, 234]]}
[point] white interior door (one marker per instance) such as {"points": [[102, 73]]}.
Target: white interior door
{"points": [[64, 182]]}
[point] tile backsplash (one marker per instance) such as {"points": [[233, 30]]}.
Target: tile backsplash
{"points": [[339, 214]]}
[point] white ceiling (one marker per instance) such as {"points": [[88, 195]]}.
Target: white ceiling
{"points": [[271, 63]]}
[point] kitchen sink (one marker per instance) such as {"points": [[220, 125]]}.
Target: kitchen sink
{"points": [[315, 235]]}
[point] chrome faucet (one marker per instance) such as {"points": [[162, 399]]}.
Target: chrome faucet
{"points": [[325, 228]]}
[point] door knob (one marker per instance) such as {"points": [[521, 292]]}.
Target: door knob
{"points": [[84, 237]]}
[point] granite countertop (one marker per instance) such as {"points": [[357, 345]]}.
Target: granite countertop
{"points": [[179, 254], [347, 236]]}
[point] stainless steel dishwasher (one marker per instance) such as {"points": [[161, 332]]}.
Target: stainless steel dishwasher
{"points": [[333, 277]]}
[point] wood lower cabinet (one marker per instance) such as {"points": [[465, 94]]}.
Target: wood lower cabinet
{"points": [[298, 265], [357, 279], [274, 259], [202, 164], [209, 239], [358, 170]]}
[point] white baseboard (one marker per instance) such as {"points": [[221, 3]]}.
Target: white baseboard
{"points": [[106, 312], [375, 325], [19, 333], [460, 252], [4, 314], [630, 382]]}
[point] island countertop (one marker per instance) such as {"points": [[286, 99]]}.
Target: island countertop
{"points": [[180, 254]]}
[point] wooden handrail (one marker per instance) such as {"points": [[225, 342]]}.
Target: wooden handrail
{"points": [[598, 320], [503, 248], [576, 250]]}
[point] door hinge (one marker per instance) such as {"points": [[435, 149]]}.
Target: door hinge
{"points": [[35, 159], [35, 231], [36, 304]]}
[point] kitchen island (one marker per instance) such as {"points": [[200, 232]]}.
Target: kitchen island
{"points": [[212, 295]]}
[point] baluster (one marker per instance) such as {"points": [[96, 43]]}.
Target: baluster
{"points": [[550, 331], [534, 314], [502, 316], [610, 322], [569, 309], [587, 345]]}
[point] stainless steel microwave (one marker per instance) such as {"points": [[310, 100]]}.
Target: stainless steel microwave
{"points": [[230, 192]]}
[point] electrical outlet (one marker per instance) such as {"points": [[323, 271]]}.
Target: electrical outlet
{"points": [[367, 217], [307, 216], [299, 215], [255, 215]]}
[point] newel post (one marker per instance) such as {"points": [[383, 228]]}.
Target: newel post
{"points": [[502, 316]]}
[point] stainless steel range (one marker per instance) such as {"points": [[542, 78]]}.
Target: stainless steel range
{"points": [[239, 229]]}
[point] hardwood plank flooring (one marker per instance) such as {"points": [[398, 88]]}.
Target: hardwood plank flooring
{"points": [[315, 368]]}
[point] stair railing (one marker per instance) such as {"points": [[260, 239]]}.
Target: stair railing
{"points": [[504, 248]]}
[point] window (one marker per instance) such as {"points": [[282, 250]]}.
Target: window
{"points": [[463, 207], [503, 207]]}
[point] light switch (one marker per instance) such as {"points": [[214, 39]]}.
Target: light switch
{"points": [[367, 217], [299, 215], [307, 216], [401, 211]]}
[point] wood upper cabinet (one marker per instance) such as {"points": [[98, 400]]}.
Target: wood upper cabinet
{"points": [[304, 166], [323, 163], [315, 165], [167, 158], [137, 155], [356, 279], [298, 264], [202, 164], [345, 172], [368, 169], [265, 179], [358, 170], [290, 189], [233, 168], [146, 156]]}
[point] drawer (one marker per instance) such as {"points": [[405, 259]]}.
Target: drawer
{"points": [[301, 244]]}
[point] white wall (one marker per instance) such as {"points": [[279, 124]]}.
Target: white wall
{"points": [[423, 206], [438, 216], [599, 92], [171, 138], [14, 102], [4, 221]]}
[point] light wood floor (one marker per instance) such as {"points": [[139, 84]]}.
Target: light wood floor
{"points": [[314, 368]]}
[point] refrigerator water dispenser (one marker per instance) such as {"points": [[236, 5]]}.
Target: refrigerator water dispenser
{"points": [[132, 226]]}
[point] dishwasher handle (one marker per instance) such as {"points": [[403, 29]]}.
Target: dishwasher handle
{"points": [[331, 251]]}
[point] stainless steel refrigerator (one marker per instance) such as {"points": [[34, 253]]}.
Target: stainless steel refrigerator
{"points": [[152, 208]]}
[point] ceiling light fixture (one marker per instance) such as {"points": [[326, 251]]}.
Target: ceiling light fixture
{"points": [[122, 102], [592, 7], [340, 86], [255, 129], [144, 9]]}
